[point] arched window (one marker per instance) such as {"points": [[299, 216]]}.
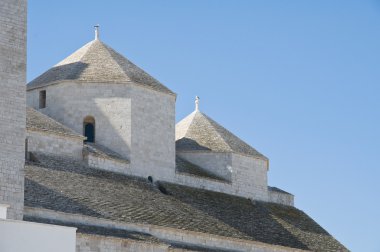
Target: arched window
{"points": [[89, 129]]}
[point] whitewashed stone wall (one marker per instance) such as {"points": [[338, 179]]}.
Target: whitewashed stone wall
{"points": [[246, 176], [136, 122], [249, 176], [216, 163], [107, 164], [50, 143], [281, 198], [70, 103], [12, 104], [153, 134], [203, 183]]}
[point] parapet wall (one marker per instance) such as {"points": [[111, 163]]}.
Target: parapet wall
{"points": [[49, 143], [240, 175], [280, 197], [87, 242]]}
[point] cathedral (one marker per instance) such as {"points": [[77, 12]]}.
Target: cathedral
{"points": [[91, 151]]}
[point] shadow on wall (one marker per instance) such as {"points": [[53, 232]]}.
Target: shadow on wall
{"points": [[189, 144], [81, 108]]}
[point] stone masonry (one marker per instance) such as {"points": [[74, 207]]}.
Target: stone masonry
{"points": [[12, 104], [138, 182], [133, 121]]}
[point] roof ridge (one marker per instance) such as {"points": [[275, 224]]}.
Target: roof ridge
{"points": [[85, 49], [108, 48], [216, 130], [203, 133], [90, 44], [191, 121], [29, 118], [190, 117], [223, 136], [97, 62]]}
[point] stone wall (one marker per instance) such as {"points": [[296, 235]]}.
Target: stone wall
{"points": [[50, 143], [216, 163], [204, 183], [107, 164], [70, 103], [135, 122], [245, 176], [12, 104], [97, 243], [153, 134], [281, 198], [249, 176]]}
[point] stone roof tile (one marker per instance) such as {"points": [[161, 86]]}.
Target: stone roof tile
{"points": [[96, 62], [198, 132], [35, 120], [69, 186]]}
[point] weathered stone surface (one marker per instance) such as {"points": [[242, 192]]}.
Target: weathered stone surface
{"points": [[36, 121], [48, 136], [56, 144], [67, 186], [198, 132], [203, 142], [100, 157], [135, 122], [279, 196], [187, 168], [96, 62], [12, 104]]}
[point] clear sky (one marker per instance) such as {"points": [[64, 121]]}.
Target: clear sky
{"points": [[298, 80]]}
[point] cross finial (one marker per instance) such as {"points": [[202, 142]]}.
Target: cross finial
{"points": [[96, 31], [196, 103]]}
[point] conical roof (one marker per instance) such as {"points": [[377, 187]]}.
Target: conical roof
{"points": [[96, 62], [198, 132]]}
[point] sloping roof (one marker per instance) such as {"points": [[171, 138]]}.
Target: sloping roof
{"points": [[185, 167], [121, 233], [99, 63], [104, 152], [37, 121], [198, 132], [68, 186]]}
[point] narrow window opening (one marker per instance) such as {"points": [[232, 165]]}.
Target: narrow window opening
{"points": [[89, 129], [42, 99]]}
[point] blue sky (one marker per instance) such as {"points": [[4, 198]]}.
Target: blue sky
{"points": [[298, 80]]}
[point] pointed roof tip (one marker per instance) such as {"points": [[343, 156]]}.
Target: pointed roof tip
{"points": [[198, 132], [96, 62]]}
